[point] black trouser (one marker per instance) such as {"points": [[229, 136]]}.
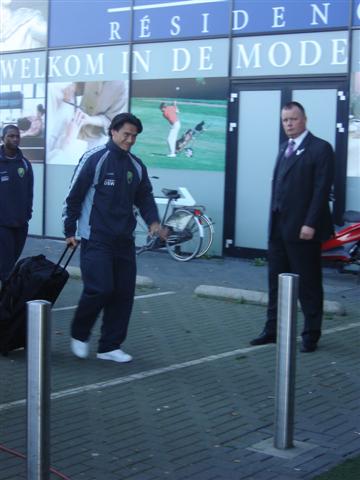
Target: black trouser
{"points": [[109, 275], [12, 241], [304, 258]]}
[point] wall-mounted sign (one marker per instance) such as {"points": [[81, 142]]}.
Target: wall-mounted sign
{"points": [[89, 23], [198, 58], [28, 67], [287, 15], [355, 67], [180, 19], [356, 13], [295, 54], [111, 21], [98, 63]]}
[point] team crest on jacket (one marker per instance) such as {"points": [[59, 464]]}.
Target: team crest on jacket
{"points": [[21, 171], [130, 176]]}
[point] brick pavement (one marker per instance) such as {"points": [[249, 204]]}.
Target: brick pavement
{"points": [[196, 398]]}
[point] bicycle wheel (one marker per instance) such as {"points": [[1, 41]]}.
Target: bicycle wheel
{"points": [[207, 240], [185, 237]]}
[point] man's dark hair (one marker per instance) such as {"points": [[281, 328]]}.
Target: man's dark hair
{"points": [[9, 127], [162, 105], [290, 105], [119, 120]]}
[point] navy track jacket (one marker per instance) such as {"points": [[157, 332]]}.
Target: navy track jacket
{"points": [[16, 190], [106, 185]]}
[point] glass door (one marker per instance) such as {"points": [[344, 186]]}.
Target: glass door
{"points": [[255, 133]]}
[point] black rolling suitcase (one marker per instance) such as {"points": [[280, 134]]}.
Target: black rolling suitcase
{"points": [[33, 278]]}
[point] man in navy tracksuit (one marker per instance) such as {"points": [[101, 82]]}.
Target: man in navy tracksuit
{"points": [[16, 199], [106, 185]]}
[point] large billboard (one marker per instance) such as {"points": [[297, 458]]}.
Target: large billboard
{"points": [[22, 99], [353, 165], [184, 114], [86, 89], [184, 122], [23, 24]]}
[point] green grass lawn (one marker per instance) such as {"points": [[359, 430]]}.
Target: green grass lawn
{"points": [[208, 146]]}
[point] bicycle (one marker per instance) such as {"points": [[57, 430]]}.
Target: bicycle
{"points": [[191, 231]]}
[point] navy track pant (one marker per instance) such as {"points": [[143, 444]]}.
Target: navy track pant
{"points": [[109, 276]]}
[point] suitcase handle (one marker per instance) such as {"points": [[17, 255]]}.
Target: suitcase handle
{"points": [[63, 255]]}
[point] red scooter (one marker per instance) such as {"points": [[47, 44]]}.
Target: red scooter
{"points": [[344, 248]]}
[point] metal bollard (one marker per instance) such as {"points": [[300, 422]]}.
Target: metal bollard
{"points": [[38, 389], [286, 360]]}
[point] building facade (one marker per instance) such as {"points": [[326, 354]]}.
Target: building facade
{"points": [[67, 67]]}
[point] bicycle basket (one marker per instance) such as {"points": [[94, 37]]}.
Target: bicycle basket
{"points": [[179, 220]]}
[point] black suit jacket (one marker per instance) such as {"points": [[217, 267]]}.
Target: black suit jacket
{"points": [[305, 189]]}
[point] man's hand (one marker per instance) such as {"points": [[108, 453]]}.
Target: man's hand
{"points": [[71, 242], [307, 233], [157, 230]]}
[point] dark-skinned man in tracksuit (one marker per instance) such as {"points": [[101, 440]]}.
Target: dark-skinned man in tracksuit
{"points": [[16, 199]]}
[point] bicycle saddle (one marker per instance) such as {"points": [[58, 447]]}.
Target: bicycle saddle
{"points": [[170, 193]]}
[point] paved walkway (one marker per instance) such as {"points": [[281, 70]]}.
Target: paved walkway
{"points": [[198, 400]]}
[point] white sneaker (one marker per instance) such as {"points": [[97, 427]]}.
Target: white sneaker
{"points": [[115, 355], [171, 155], [79, 348]]}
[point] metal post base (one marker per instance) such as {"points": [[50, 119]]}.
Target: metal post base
{"points": [[267, 447]]}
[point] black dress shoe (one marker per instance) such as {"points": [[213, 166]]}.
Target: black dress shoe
{"points": [[263, 339], [308, 347]]}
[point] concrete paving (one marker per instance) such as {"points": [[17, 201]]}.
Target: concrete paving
{"points": [[198, 400]]}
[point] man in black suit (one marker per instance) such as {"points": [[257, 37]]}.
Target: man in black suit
{"points": [[300, 220]]}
